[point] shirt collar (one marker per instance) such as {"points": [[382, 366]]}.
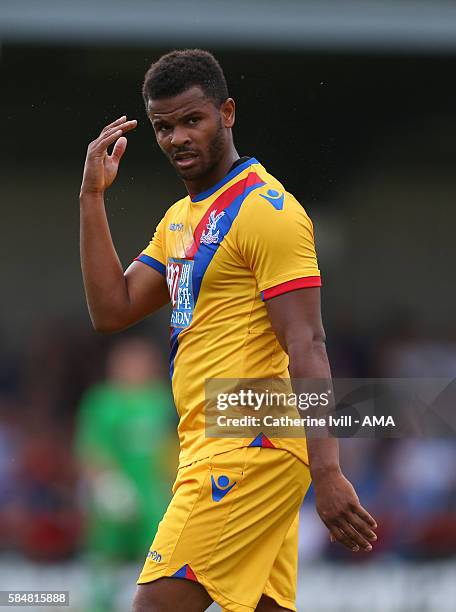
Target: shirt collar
{"points": [[235, 171]]}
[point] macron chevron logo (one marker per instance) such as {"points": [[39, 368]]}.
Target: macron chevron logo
{"points": [[262, 441], [185, 573], [221, 488], [274, 197]]}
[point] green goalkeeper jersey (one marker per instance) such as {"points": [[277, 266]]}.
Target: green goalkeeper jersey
{"points": [[127, 444]]}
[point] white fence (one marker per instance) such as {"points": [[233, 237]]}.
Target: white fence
{"points": [[386, 587]]}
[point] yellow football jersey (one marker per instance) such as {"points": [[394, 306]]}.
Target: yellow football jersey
{"points": [[223, 253]]}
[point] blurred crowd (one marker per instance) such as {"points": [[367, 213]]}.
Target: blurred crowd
{"points": [[88, 447]]}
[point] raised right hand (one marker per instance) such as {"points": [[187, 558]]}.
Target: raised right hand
{"points": [[100, 169]]}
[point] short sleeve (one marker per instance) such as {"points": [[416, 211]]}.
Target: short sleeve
{"points": [[154, 254], [276, 240]]}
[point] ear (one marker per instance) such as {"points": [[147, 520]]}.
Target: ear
{"points": [[228, 112]]}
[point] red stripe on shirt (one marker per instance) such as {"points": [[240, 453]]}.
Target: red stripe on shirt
{"points": [[222, 202], [297, 283]]}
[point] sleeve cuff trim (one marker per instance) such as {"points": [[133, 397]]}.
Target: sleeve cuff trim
{"points": [[292, 285], [153, 263]]}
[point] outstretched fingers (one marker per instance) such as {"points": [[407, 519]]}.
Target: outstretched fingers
{"points": [[119, 149], [114, 123], [115, 131], [110, 134], [100, 169]]}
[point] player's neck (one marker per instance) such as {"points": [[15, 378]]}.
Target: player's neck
{"points": [[213, 177]]}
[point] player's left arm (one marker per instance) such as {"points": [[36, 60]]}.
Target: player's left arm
{"points": [[275, 238], [296, 319]]}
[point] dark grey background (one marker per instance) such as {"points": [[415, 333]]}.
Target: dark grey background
{"points": [[365, 141]]}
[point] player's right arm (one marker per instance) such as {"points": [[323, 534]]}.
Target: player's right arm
{"points": [[115, 300]]}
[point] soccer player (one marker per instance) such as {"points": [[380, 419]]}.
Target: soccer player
{"points": [[236, 259]]}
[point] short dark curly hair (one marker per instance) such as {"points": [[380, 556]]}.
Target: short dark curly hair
{"points": [[179, 70]]}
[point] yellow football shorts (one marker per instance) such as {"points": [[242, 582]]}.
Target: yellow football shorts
{"points": [[232, 526]]}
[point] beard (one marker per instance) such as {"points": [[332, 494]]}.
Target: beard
{"points": [[217, 146], [209, 158]]}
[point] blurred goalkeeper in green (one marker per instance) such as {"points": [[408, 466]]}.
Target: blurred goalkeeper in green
{"points": [[127, 468]]}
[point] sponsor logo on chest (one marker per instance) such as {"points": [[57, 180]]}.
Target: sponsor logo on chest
{"points": [[179, 279]]}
